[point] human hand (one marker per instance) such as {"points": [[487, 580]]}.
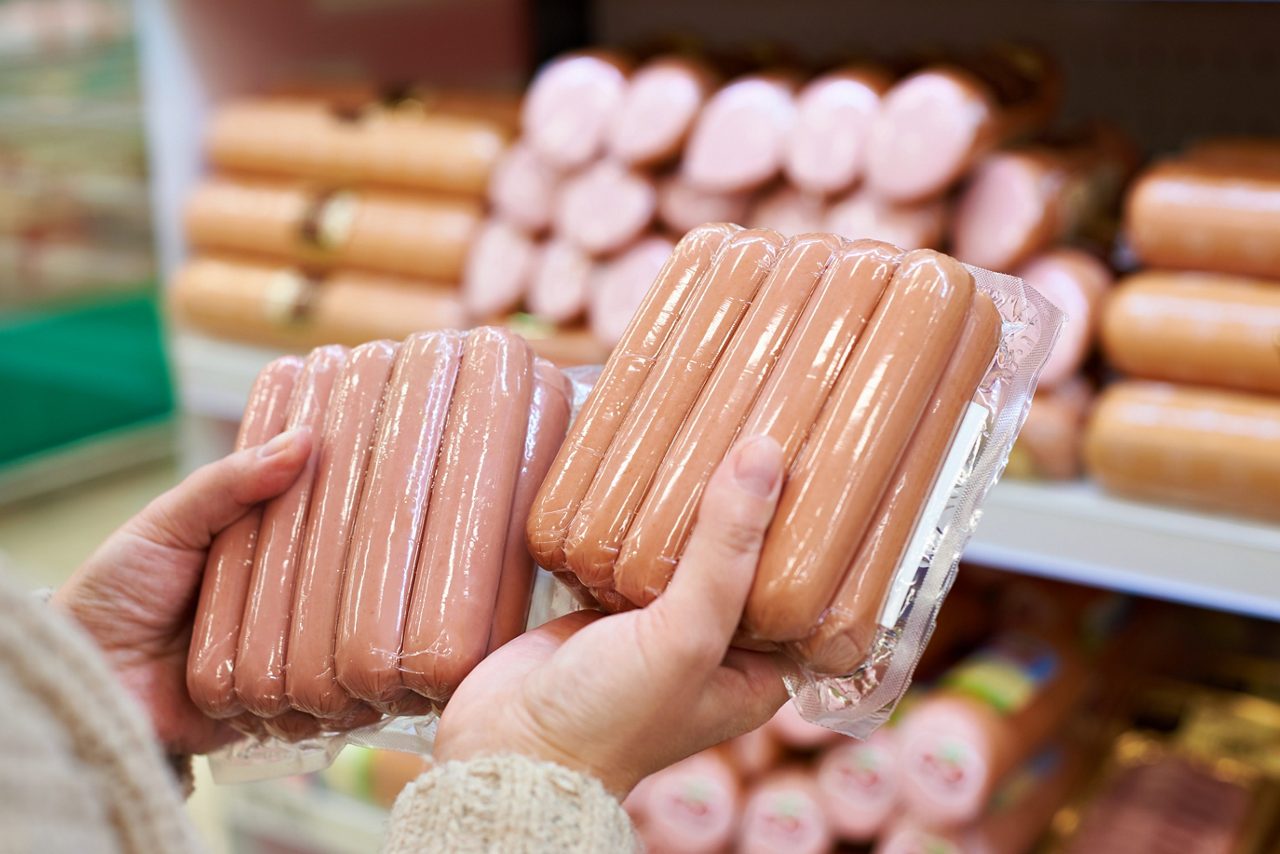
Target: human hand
{"points": [[622, 696], [136, 595]]}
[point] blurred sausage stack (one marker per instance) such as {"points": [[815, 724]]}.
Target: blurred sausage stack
{"points": [[1199, 333], [337, 215]]}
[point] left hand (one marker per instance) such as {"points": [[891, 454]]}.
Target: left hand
{"points": [[136, 595]]}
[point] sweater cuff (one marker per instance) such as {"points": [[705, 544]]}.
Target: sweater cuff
{"points": [[507, 803]]}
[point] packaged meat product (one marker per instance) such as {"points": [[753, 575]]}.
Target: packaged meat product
{"points": [[910, 226], [739, 139], [390, 520], [523, 189], [618, 287], [430, 152], [229, 567], [682, 206], [560, 284], [549, 407], [393, 233], [661, 102], [570, 105], [933, 125], [789, 211], [1198, 328], [1215, 450], [1222, 217], [783, 815], [692, 806], [990, 713], [858, 784], [1077, 283], [278, 305], [498, 269], [697, 338], [1022, 201], [826, 150], [268, 609], [796, 733], [460, 560], [1051, 444], [343, 451], [604, 207]]}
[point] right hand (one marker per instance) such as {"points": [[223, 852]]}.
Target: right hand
{"points": [[624, 695]]}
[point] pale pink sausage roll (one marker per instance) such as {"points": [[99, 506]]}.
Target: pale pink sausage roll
{"points": [[342, 458], [783, 815], [259, 671], [620, 285], [455, 587], [858, 784], [605, 207], [229, 567], [861, 214], [523, 189], [693, 805], [682, 206], [660, 104], [569, 106], [498, 269], [1077, 283], [826, 150], [789, 211], [561, 282], [390, 518], [738, 141]]}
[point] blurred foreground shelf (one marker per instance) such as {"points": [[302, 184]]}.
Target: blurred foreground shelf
{"points": [[1072, 532]]}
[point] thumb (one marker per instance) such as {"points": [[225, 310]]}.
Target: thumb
{"points": [[191, 514], [702, 605]]}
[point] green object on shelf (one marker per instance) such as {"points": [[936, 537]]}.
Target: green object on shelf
{"points": [[72, 372]]}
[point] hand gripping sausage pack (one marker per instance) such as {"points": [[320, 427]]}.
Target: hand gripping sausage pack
{"points": [[349, 608]]}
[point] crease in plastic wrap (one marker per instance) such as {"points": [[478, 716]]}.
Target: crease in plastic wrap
{"points": [[264, 754], [856, 704]]}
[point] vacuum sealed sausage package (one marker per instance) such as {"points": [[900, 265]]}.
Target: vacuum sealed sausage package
{"points": [[895, 381]]}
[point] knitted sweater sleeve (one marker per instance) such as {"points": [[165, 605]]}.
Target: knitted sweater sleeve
{"points": [[511, 804]]}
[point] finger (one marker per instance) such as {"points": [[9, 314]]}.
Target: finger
{"points": [[742, 693], [213, 496], [700, 610]]}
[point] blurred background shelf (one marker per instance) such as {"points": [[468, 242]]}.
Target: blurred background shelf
{"points": [[1072, 532]]}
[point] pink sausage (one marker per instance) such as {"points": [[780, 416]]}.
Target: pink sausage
{"points": [[692, 806], [389, 521], [497, 271], [783, 815], [789, 211], [548, 423], [259, 671], [560, 283], [620, 285], [455, 587], [522, 189], [569, 106], [229, 567], [657, 110], [605, 207], [915, 226], [1075, 282], [737, 142], [827, 146], [682, 206], [342, 458]]}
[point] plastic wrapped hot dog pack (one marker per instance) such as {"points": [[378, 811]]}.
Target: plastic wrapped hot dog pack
{"points": [[894, 381]]}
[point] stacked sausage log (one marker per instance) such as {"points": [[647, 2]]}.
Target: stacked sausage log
{"points": [[858, 358], [338, 218], [375, 583], [1200, 332]]}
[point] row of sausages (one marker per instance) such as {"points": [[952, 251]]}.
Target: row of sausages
{"points": [[859, 359], [374, 583]]}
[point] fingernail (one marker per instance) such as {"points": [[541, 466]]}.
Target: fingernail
{"points": [[758, 466], [279, 444]]}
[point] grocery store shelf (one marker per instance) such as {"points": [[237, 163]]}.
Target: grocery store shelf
{"points": [[1068, 531], [1076, 533]]}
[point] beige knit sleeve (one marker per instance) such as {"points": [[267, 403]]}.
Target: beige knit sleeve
{"points": [[507, 803]]}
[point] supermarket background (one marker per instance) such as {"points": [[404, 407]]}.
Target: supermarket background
{"points": [[144, 282]]}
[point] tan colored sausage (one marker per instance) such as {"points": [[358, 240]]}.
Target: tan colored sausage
{"points": [[657, 535], [624, 375], [662, 404], [1050, 443], [342, 459], [1215, 450], [229, 566], [548, 422], [621, 285], [570, 104], [523, 189], [1216, 216], [1196, 328], [460, 563], [1237, 152], [389, 521], [935, 124], [738, 140], [498, 269], [604, 207], [818, 348], [825, 508], [661, 102], [827, 147], [428, 152], [259, 670], [843, 639]]}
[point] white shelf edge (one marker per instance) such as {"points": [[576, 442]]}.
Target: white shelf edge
{"points": [[1072, 532]]}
